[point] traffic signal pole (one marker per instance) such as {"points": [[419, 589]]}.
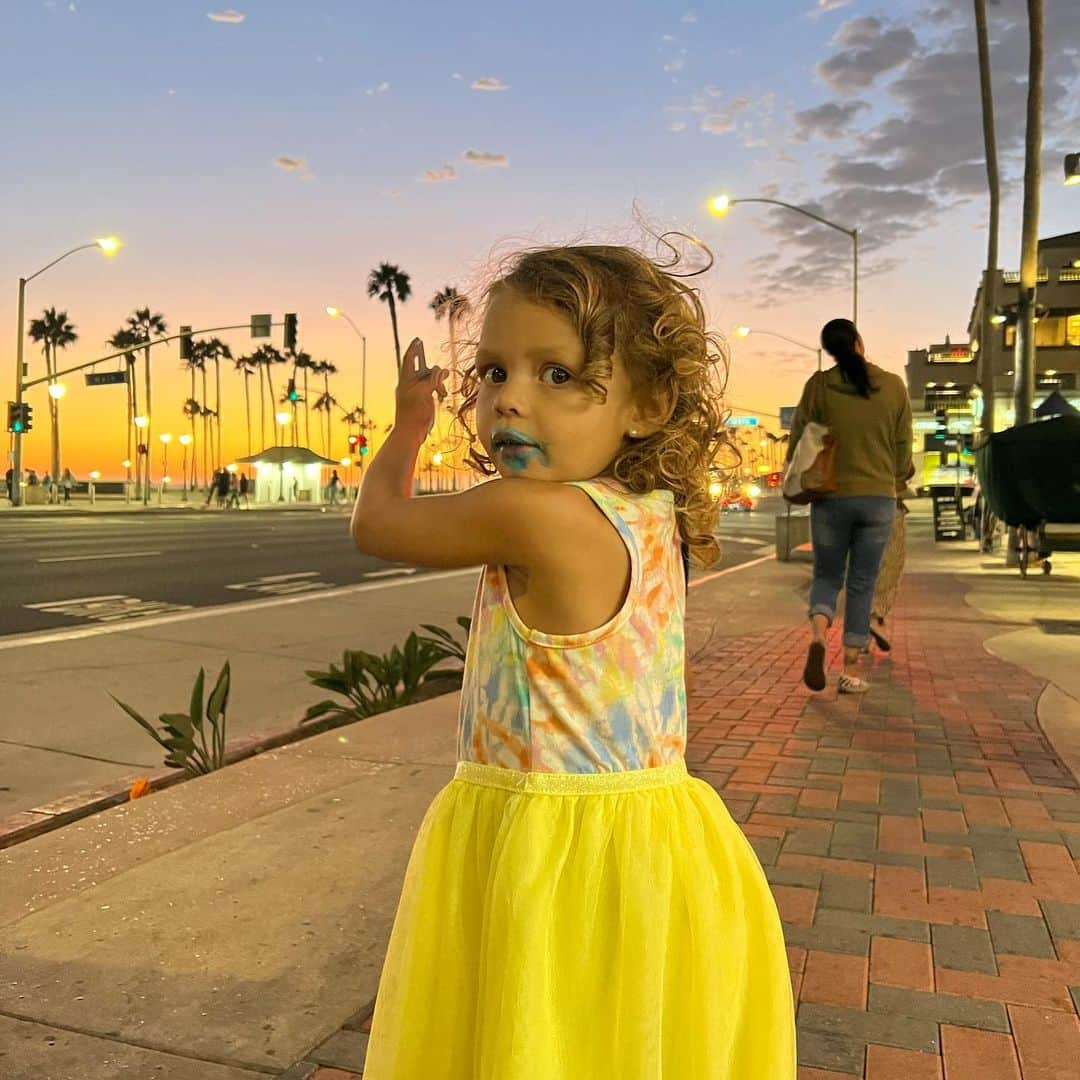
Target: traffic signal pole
{"points": [[22, 385], [16, 457]]}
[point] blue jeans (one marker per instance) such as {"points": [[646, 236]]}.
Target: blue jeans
{"points": [[849, 535]]}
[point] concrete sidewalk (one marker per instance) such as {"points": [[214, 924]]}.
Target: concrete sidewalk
{"points": [[923, 844]]}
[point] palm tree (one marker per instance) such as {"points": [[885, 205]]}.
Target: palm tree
{"points": [[302, 361], [266, 356], [1024, 386], [125, 339], [216, 350], [143, 324], [326, 369], [454, 306], [326, 403], [53, 331], [986, 330], [386, 282], [192, 409], [247, 367]]}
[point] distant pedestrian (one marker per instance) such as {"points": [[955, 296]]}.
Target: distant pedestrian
{"points": [[67, 482], [222, 488], [868, 414], [333, 488], [48, 485], [234, 492], [244, 489], [32, 478], [211, 489], [9, 479]]}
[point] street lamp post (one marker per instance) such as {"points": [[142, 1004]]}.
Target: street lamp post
{"points": [[56, 392], [337, 313], [282, 418], [746, 331], [140, 423], [721, 204], [185, 442], [108, 244], [165, 438]]}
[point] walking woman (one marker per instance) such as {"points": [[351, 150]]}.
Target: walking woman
{"points": [[869, 415]]}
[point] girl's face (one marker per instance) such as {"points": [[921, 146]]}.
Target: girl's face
{"points": [[528, 363]]}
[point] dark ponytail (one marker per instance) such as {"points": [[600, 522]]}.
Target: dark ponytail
{"points": [[841, 341]]}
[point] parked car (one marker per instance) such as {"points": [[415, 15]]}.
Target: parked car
{"points": [[739, 504]]}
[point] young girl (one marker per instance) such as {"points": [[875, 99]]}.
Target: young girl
{"points": [[576, 907]]}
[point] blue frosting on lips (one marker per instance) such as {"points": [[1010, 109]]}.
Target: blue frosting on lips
{"points": [[517, 457]]}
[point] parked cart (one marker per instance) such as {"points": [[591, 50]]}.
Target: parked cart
{"points": [[1030, 476]]}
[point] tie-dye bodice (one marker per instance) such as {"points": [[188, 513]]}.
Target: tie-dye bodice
{"points": [[608, 699]]}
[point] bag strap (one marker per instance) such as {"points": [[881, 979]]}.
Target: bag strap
{"points": [[817, 398]]}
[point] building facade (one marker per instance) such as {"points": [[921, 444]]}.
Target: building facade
{"points": [[943, 379]]}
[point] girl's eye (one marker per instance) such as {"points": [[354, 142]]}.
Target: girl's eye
{"points": [[564, 375]]}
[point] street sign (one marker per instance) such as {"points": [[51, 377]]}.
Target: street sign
{"points": [[742, 421], [787, 416], [106, 378], [260, 325]]}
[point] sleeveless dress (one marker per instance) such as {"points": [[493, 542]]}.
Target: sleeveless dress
{"points": [[576, 906]]}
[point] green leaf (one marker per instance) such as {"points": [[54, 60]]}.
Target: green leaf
{"points": [[321, 709], [197, 700], [139, 720], [219, 699]]}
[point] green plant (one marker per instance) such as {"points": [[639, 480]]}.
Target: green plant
{"points": [[184, 735], [374, 684]]}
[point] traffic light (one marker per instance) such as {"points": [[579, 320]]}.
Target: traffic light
{"points": [[353, 441], [363, 444], [20, 417], [294, 394], [290, 333], [185, 343]]}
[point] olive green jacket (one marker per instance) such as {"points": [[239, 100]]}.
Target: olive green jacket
{"points": [[873, 435]]}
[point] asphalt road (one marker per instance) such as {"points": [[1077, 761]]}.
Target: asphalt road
{"points": [[66, 571]]}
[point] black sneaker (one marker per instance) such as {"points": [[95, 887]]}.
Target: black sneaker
{"points": [[814, 672]]}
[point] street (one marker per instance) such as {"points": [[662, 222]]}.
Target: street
{"points": [[57, 572]]}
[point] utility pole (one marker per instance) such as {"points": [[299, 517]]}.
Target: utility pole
{"points": [[1024, 386]]}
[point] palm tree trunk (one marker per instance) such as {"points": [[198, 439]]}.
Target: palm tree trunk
{"points": [[217, 403], [1024, 386], [262, 409], [205, 420], [393, 320], [149, 426], [307, 412], [247, 410], [988, 332], [329, 415]]}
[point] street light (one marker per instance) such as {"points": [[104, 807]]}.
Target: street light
{"points": [[57, 391], [746, 331], [282, 418], [337, 313], [721, 204], [1072, 169], [107, 244]]}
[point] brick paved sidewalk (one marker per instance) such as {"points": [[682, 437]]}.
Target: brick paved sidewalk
{"points": [[922, 842]]}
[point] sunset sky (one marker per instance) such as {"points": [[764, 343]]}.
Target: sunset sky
{"points": [[266, 158]]}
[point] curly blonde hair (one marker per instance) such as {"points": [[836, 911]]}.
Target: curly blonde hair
{"points": [[619, 300]]}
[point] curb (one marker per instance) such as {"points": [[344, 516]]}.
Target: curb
{"points": [[29, 824]]}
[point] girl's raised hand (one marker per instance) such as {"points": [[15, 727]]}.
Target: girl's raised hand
{"points": [[416, 381]]}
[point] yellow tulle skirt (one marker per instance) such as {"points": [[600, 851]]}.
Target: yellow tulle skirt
{"points": [[554, 926]]}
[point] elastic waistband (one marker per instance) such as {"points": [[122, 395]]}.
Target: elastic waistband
{"points": [[560, 783]]}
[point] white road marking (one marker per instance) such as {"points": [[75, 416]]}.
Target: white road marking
{"points": [[390, 573], [283, 584], [18, 641], [109, 608], [87, 558]]}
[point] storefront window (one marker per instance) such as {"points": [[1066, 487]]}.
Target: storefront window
{"points": [[1072, 330]]}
